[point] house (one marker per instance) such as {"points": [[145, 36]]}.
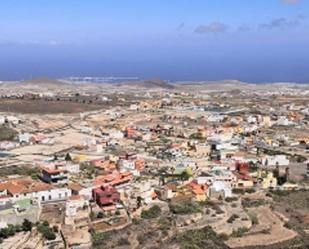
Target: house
{"points": [[280, 160], [22, 188], [24, 138], [220, 190], [115, 178], [289, 186], [7, 145], [284, 121], [73, 168], [38, 138], [2, 120], [54, 174], [13, 120], [116, 134], [134, 194], [106, 196], [222, 174], [244, 180], [268, 181], [169, 191], [74, 203], [130, 163], [185, 166], [80, 158], [198, 190], [130, 132], [104, 165], [82, 189]]}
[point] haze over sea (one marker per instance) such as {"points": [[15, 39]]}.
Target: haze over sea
{"points": [[266, 41]]}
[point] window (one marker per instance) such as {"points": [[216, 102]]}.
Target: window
{"points": [[60, 196], [43, 198], [49, 197]]}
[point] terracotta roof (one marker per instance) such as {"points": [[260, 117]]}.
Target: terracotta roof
{"points": [[52, 170], [75, 186], [75, 197], [25, 185]]}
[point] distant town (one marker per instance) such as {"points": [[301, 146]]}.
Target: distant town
{"points": [[119, 163]]}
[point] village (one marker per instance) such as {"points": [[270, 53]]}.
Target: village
{"points": [[175, 167]]}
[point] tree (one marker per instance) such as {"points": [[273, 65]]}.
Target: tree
{"points": [[46, 231], [151, 213], [27, 225], [100, 215], [4, 233], [68, 157], [11, 230], [184, 176], [139, 201]]}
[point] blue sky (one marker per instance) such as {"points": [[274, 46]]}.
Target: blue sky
{"points": [[251, 40]]}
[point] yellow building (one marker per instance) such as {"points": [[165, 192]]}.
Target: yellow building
{"points": [[269, 181], [80, 158]]}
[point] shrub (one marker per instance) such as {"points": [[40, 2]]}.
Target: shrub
{"points": [[238, 191], [232, 218], [164, 224], [253, 218], [200, 239], [46, 231], [247, 203], [250, 190], [99, 238], [231, 199], [123, 242], [7, 133], [55, 229], [151, 213], [185, 208], [239, 232], [100, 215], [224, 236], [27, 225]]}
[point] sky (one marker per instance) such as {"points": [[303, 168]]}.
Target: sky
{"points": [[248, 40]]}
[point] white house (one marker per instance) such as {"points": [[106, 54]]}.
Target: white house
{"points": [[220, 187], [280, 160], [18, 189]]}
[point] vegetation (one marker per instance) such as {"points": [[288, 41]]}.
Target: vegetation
{"points": [[47, 232], [240, 232], [231, 199], [200, 239], [186, 208], [27, 225], [232, 218], [88, 170], [248, 203], [151, 213], [242, 191], [123, 242], [296, 199], [7, 133], [99, 238], [253, 218], [164, 224], [252, 167], [100, 215], [184, 176], [19, 170], [11, 230]]}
